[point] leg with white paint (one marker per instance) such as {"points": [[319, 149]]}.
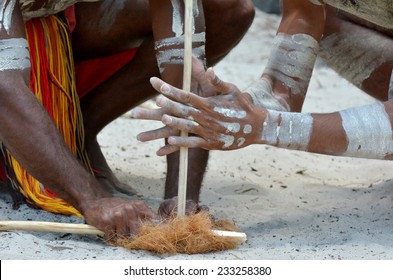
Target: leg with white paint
{"points": [[360, 52], [129, 24]]}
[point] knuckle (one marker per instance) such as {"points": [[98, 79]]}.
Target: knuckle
{"points": [[190, 125], [185, 98], [184, 111], [118, 214]]}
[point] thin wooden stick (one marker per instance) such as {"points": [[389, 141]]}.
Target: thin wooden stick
{"points": [[49, 227], [85, 229], [183, 161]]}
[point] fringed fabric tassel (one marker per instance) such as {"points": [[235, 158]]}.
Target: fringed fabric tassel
{"points": [[53, 82]]}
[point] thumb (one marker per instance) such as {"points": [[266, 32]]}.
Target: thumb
{"points": [[219, 85], [198, 69]]}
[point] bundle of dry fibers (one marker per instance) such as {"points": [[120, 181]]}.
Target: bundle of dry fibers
{"points": [[53, 82], [182, 235]]}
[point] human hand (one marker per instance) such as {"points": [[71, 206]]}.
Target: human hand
{"points": [[168, 208], [115, 216], [201, 84], [223, 122]]}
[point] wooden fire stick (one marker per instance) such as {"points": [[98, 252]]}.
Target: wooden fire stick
{"points": [[183, 163], [86, 229]]}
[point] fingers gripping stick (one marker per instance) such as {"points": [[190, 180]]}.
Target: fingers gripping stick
{"points": [[183, 164]]}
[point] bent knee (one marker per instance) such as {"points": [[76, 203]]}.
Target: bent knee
{"points": [[246, 11], [237, 13], [240, 11]]}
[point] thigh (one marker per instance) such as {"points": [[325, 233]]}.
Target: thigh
{"points": [[359, 51], [110, 26]]}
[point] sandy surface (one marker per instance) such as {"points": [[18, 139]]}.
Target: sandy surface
{"points": [[292, 205]]}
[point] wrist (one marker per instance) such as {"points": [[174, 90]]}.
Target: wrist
{"points": [[85, 190], [262, 95], [287, 130]]}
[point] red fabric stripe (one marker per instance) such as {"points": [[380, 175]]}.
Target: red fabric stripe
{"points": [[69, 13], [91, 73]]}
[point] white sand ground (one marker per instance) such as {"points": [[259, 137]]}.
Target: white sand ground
{"points": [[292, 205]]}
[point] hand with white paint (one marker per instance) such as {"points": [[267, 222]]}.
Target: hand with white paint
{"points": [[227, 121], [222, 122]]}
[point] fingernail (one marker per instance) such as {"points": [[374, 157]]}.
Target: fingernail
{"points": [[166, 119], [171, 140], [165, 88], [211, 73], [160, 101], [134, 113]]}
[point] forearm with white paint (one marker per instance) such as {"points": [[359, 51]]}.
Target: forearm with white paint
{"points": [[286, 77], [262, 95], [287, 130], [369, 131], [366, 132], [290, 67], [14, 54]]}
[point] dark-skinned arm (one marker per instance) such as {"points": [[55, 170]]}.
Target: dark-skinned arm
{"points": [[284, 82], [32, 138]]}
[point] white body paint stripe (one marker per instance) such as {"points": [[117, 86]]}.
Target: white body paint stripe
{"points": [[177, 19], [293, 56], [271, 128], [174, 41], [230, 113], [176, 56], [6, 10], [369, 131], [288, 130], [262, 95], [295, 131], [14, 54]]}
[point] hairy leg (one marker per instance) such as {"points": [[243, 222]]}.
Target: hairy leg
{"points": [[129, 27], [359, 51]]}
